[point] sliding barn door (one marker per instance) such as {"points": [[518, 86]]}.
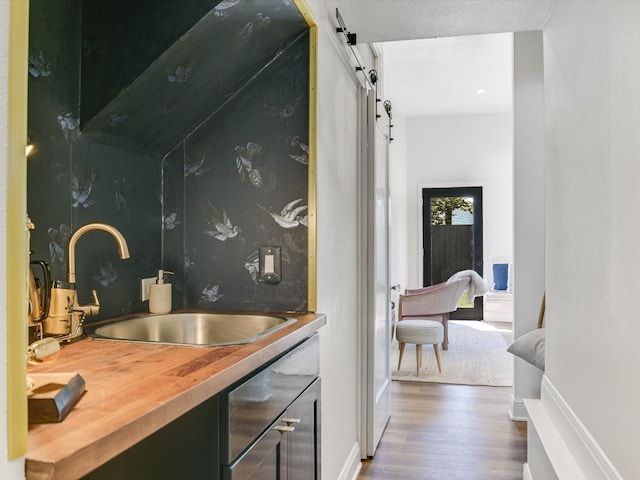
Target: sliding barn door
{"points": [[375, 203]]}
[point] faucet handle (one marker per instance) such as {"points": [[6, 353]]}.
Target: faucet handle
{"points": [[90, 308], [93, 308]]}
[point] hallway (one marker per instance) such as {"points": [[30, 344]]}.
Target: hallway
{"points": [[449, 432]]}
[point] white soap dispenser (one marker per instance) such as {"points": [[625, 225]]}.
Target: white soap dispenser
{"points": [[160, 294]]}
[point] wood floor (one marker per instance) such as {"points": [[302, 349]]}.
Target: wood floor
{"points": [[449, 432]]}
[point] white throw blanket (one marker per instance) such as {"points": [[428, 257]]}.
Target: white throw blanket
{"points": [[477, 285]]}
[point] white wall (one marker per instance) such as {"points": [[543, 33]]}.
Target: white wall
{"points": [[470, 150], [398, 216], [592, 114], [528, 189], [337, 249]]}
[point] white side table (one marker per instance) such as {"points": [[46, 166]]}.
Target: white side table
{"points": [[498, 306]]}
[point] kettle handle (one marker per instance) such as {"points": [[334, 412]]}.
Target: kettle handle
{"points": [[45, 290]]}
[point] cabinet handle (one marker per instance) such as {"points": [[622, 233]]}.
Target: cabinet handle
{"points": [[289, 421], [284, 428]]}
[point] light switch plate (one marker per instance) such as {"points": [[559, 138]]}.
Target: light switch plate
{"points": [[270, 265], [144, 287]]}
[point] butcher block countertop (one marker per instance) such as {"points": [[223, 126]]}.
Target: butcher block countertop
{"points": [[134, 389]]}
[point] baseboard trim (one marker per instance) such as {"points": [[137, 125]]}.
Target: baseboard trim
{"points": [[518, 412], [592, 459], [566, 448], [548, 454], [353, 465], [526, 473]]}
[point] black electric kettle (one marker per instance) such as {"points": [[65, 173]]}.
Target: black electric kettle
{"points": [[39, 292]]}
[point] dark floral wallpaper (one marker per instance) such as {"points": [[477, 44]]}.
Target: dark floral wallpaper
{"points": [[199, 161], [194, 77]]}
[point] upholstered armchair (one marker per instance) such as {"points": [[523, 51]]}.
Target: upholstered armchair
{"points": [[433, 303]]}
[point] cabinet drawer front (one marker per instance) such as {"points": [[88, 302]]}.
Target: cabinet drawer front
{"points": [[255, 404]]}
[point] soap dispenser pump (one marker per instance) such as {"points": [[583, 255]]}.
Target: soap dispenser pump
{"points": [[160, 294]]}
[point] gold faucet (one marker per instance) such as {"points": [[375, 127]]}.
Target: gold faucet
{"points": [[123, 250], [66, 315]]}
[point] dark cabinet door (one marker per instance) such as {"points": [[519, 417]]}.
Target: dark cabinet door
{"points": [[265, 460], [303, 443], [290, 449], [185, 448]]}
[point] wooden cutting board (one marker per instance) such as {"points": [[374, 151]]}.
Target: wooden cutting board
{"points": [[53, 395]]}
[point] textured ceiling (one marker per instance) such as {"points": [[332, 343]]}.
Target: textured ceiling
{"points": [[389, 20], [439, 53]]}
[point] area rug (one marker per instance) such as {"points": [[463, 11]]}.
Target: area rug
{"points": [[477, 355]]}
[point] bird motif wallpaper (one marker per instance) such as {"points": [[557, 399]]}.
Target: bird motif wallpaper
{"points": [[232, 186], [199, 161]]}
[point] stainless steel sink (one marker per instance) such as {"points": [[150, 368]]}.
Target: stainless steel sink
{"points": [[205, 329]]}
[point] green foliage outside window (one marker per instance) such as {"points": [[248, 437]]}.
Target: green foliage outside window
{"points": [[442, 208]]}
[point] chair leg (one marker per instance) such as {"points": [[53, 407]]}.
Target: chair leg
{"points": [[418, 359], [401, 346], [445, 324], [436, 349]]}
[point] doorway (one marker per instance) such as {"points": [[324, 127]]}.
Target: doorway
{"points": [[452, 239]]}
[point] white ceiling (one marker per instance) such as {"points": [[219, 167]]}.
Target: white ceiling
{"points": [[389, 20], [455, 56], [442, 76]]}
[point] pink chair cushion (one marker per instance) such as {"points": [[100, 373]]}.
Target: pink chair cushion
{"points": [[434, 300]]}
